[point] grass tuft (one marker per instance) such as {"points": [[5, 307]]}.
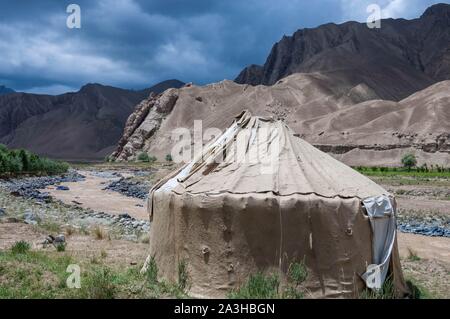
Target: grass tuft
{"points": [[258, 286], [99, 284], [412, 255], [183, 275], [60, 247], [387, 291], [100, 233], [152, 271], [20, 247]]}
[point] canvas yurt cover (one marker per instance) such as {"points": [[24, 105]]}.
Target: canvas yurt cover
{"points": [[258, 199]]}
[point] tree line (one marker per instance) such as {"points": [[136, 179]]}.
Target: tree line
{"points": [[20, 161]]}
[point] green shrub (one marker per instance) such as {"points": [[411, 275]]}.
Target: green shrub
{"points": [[100, 284], [143, 157], [258, 286], [22, 161], [169, 158], [409, 161], [20, 247], [417, 291], [297, 273], [60, 247]]}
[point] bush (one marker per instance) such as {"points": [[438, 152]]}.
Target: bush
{"points": [[143, 157], [20, 247], [169, 158], [409, 161]]}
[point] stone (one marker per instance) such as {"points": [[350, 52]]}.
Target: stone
{"points": [[60, 239], [49, 239], [30, 218], [2, 212]]}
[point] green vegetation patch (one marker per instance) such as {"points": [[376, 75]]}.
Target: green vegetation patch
{"points": [[15, 162], [26, 274]]}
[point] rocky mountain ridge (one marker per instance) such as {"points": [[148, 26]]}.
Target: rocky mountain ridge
{"points": [[353, 127], [84, 125], [400, 58]]}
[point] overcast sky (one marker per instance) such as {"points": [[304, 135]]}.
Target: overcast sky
{"points": [[137, 43]]}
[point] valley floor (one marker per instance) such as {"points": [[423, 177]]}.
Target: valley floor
{"points": [[105, 224]]}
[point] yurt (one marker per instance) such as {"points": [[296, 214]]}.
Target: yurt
{"points": [[259, 198]]}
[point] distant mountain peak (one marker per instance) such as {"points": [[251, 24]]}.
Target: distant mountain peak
{"points": [[91, 87], [353, 53], [437, 10], [85, 125]]}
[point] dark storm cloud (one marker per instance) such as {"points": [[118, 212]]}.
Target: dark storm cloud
{"points": [[134, 43]]}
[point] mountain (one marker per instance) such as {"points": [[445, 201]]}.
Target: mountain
{"points": [[400, 58], [365, 96], [342, 120], [85, 125], [5, 90]]}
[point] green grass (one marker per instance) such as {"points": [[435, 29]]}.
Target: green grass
{"points": [[297, 273], [183, 276], [60, 247], [33, 275], [387, 291], [152, 271], [43, 275], [258, 286], [20, 247], [51, 227], [412, 255], [414, 172], [417, 290]]}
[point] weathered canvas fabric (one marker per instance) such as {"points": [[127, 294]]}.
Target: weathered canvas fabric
{"points": [[259, 198]]}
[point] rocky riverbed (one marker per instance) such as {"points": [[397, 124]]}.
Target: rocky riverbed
{"points": [[130, 187], [27, 200], [32, 187], [430, 222], [424, 223]]}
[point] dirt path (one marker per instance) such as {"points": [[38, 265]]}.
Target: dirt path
{"points": [[430, 265], [118, 252], [89, 194], [425, 247], [423, 204]]}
